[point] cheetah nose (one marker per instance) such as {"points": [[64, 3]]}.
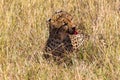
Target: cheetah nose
{"points": [[73, 28]]}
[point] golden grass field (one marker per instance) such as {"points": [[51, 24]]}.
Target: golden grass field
{"points": [[23, 32]]}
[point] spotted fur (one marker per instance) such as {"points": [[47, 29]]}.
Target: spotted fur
{"points": [[62, 39]]}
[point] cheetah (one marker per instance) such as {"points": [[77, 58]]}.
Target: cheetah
{"points": [[63, 36]]}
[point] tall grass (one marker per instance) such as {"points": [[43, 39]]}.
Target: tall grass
{"points": [[23, 32]]}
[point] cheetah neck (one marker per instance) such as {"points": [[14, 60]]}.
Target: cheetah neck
{"points": [[61, 35]]}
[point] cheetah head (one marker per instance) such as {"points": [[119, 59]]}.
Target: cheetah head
{"points": [[62, 21]]}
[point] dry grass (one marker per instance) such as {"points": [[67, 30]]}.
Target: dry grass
{"points": [[23, 32]]}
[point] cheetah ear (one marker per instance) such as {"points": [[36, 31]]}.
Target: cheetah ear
{"points": [[58, 11], [48, 20], [49, 24]]}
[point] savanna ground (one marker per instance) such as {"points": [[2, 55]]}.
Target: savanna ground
{"points": [[23, 32]]}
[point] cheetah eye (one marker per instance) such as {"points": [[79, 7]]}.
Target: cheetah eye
{"points": [[64, 24]]}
